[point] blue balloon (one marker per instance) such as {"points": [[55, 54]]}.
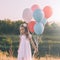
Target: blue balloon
{"points": [[38, 28], [44, 21], [38, 15]]}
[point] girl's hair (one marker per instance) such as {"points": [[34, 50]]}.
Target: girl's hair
{"points": [[26, 29]]}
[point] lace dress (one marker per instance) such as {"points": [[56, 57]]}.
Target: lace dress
{"points": [[24, 51]]}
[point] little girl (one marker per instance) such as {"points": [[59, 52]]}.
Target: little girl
{"points": [[24, 51]]}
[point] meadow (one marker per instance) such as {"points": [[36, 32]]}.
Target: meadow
{"points": [[48, 47]]}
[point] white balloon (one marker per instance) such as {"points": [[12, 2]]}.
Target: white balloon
{"points": [[27, 15]]}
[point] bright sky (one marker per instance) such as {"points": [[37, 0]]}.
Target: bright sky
{"points": [[13, 9]]}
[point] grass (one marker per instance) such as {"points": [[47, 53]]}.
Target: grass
{"points": [[3, 56]]}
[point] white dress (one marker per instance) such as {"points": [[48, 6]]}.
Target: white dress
{"points": [[24, 51]]}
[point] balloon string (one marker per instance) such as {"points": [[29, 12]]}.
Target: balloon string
{"points": [[36, 40]]}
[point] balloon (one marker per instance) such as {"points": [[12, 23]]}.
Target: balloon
{"points": [[27, 15], [38, 28], [31, 26], [34, 7], [38, 15], [47, 11], [44, 21]]}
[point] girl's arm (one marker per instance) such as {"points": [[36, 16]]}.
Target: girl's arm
{"points": [[19, 42], [33, 44]]}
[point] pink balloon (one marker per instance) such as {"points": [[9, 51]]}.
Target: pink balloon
{"points": [[27, 15], [34, 7]]}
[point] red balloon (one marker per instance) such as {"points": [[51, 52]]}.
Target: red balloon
{"points": [[47, 11], [31, 26], [34, 7]]}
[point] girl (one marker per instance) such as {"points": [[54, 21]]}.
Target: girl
{"points": [[24, 51]]}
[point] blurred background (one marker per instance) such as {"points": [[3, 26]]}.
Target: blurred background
{"points": [[49, 41], [11, 19]]}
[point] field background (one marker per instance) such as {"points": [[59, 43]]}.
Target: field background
{"points": [[49, 41]]}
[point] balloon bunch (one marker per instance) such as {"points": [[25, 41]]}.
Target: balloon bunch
{"points": [[39, 16]]}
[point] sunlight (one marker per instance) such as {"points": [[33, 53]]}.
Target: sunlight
{"points": [[56, 12]]}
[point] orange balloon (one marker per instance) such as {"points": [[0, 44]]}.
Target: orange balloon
{"points": [[47, 11], [31, 26]]}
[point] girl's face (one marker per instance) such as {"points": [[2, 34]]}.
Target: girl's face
{"points": [[22, 30]]}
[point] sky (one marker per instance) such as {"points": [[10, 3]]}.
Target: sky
{"points": [[13, 9]]}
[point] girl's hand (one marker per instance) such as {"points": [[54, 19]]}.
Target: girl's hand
{"points": [[36, 50]]}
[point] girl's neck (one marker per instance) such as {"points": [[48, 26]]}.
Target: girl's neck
{"points": [[23, 34]]}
